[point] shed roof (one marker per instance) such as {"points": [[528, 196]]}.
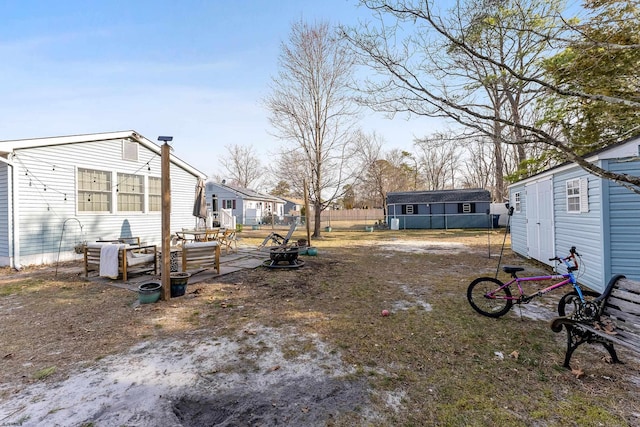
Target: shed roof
{"points": [[439, 196]]}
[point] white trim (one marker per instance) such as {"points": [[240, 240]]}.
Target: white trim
{"points": [[12, 145]]}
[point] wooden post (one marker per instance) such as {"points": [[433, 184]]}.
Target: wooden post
{"points": [[166, 222], [306, 210]]}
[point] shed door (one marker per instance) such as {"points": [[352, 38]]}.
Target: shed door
{"points": [[540, 220]]}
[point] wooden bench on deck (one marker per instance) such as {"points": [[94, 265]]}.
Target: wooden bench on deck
{"points": [[617, 320], [131, 258]]}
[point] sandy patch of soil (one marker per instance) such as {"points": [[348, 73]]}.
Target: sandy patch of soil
{"points": [[242, 380]]}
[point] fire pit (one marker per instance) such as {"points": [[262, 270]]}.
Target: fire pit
{"points": [[287, 255]]}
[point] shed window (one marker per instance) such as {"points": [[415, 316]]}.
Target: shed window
{"points": [[517, 205], [466, 208], [130, 192], [94, 190], [155, 194], [409, 209], [577, 195]]}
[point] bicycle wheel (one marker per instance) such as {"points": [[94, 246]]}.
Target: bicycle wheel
{"points": [[571, 306], [497, 305]]}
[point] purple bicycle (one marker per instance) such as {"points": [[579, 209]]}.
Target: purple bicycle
{"points": [[490, 297]]}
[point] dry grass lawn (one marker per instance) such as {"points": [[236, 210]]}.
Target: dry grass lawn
{"points": [[433, 361]]}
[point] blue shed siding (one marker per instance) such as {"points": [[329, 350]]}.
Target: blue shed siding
{"points": [[624, 224], [5, 227], [582, 230], [518, 223], [47, 197]]}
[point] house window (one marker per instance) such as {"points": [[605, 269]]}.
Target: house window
{"points": [[517, 206], [577, 197], [94, 190], [130, 193], [227, 204], [155, 194]]}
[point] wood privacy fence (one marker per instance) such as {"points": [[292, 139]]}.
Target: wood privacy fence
{"points": [[347, 218]]}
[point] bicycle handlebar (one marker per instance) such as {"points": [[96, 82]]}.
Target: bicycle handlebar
{"points": [[573, 252]]}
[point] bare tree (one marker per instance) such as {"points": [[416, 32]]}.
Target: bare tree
{"points": [[311, 106], [438, 156], [410, 40], [242, 165]]}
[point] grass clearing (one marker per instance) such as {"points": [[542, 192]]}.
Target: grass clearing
{"points": [[433, 361]]}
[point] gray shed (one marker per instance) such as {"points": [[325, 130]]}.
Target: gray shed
{"points": [[441, 209]]}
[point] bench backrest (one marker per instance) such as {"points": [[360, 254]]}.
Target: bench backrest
{"points": [[199, 254], [623, 306]]}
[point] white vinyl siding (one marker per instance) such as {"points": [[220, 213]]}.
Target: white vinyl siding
{"points": [[43, 212]]}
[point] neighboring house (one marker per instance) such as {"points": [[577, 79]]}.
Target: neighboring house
{"points": [[58, 192], [442, 209], [292, 210], [248, 206], [566, 206]]}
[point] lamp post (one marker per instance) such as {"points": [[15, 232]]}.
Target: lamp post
{"points": [[165, 188]]}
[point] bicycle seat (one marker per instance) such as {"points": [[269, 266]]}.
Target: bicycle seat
{"points": [[510, 269]]}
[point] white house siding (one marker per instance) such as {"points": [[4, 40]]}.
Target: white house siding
{"points": [[582, 230], [5, 226], [47, 175], [518, 222], [624, 224]]}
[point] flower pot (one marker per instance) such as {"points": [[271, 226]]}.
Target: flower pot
{"points": [[312, 251], [149, 292], [327, 229], [178, 284]]}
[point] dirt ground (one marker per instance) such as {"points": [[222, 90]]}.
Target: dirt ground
{"points": [[256, 347]]}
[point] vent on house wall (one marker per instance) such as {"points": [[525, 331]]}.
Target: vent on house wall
{"points": [[129, 150]]}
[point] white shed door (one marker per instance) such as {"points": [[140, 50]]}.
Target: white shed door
{"points": [[540, 220]]}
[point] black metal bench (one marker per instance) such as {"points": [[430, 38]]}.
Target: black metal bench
{"points": [[616, 321]]}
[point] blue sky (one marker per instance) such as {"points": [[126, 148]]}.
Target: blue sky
{"points": [[196, 70]]}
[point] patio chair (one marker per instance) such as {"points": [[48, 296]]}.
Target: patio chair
{"points": [[277, 239], [228, 240]]}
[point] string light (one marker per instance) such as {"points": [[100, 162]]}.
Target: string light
{"points": [[38, 182]]}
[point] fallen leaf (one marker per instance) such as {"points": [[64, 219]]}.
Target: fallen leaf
{"points": [[515, 354], [577, 372], [305, 409], [249, 332], [274, 368]]}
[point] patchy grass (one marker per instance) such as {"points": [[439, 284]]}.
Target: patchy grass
{"points": [[433, 361]]}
